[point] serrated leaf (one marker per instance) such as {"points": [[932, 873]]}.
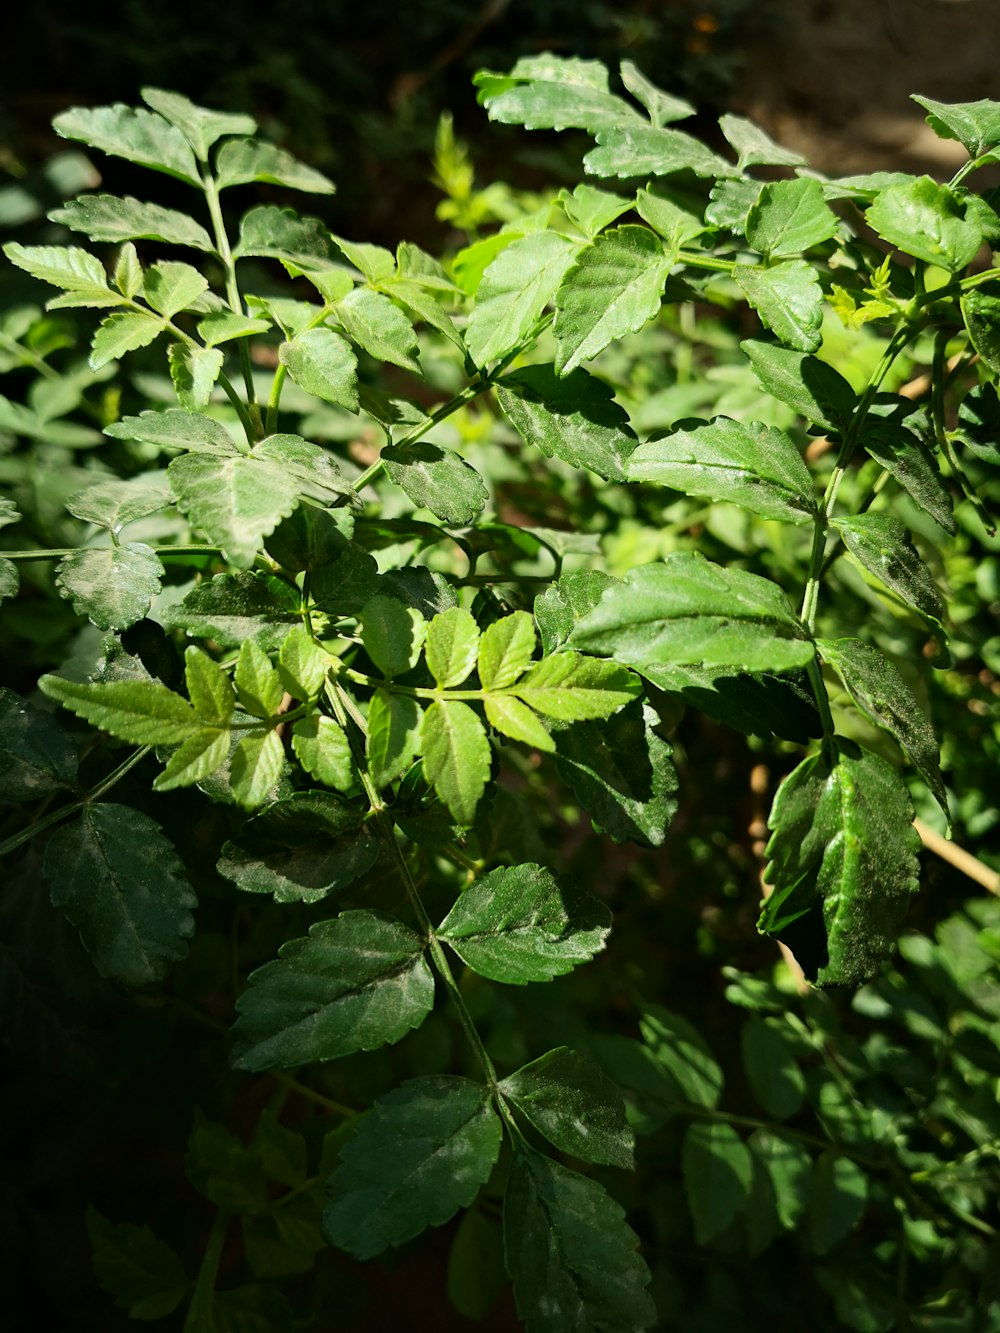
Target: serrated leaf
{"points": [[323, 750], [505, 650], [143, 1274], [730, 201], [302, 664], [208, 686], [222, 1169], [882, 544], [256, 767], [809, 386], [422, 1152], [437, 479], [591, 209], [755, 466], [681, 1051], [575, 1105], [124, 888], [927, 220], [981, 313], [222, 326], [662, 107], [452, 646], [281, 233], [565, 602], [195, 759], [393, 634], [132, 133], [573, 417], [622, 774], [175, 429], [755, 148], [838, 1195], [171, 287], [300, 849], [456, 755], [627, 151], [372, 322], [573, 688], [562, 96], [235, 501], [111, 585], [37, 758], [194, 371], [717, 1171], [314, 468], [374, 261], [129, 274], [258, 686], [143, 712], [762, 704], [519, 924], [906, 458], [107, 217], [514, 291], [240, 161], [570, 1254], [232, 607], [772, 1072], [979, 423], [842, 862], [199, 125], [789, 217], [516, 720], [66, 266], [788, 299], [614, 288], [876, 686], [112, 504], [322, 362], [686, 609], [394, 735], [675, 224], [123, 333], [356, 982], [976, 125]]}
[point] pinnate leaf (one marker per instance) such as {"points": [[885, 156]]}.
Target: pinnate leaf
{"points": [[976, 125], [106, 217], [755, 148], [505, 650], [144, 712], [256, 767], [208, 686], [457, 756], [323, 750], [662, 107], [302, 664], [258, 685], [195, 759], [75, 270], [393, 634], [515, 719], [223, 325], [232, 607], [372, 321], [771, 1069], [905, 457], [111, 585], [422, 1152], [281, 233], [572, 687], [175, 429], [557, 94], [437, 479], [630, 150], [132, 133], [112, 504], [123, 333], [682, 1052], [235, 501], [809, 386]]}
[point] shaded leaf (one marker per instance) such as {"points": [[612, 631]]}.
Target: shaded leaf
{"points": [[143, 1274], [111, 585], [194, 371], [774, 1076], [323, 750], [809, 386], [979, 423], [393, 634], [559, 608], [37, 758], [789, 1167], [199, 125], [906, 458], [106, 217], [838, 1194], [572, 687], [981, 313], [761, 704], [882, 544], [682, 1052], [372, 322], [232, 607], [717, 1171]]}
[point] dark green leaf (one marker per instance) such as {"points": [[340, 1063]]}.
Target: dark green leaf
{"points": [[111, 585], [514, 291], [789, 1167], [355, 983], [437, 479], [322, 362], [123, 886], [194, 371], [223, 1169], [717, 1171], [675, 224], [123, 333], [105, 217], [199, 125], [681, 1050], [788, 298], [979, 423], [981, 313], [789, 217], [423, 1152], [233, 607], [628, 150], [842, 859], [906, 458], [573, 417], [976, 125], [755, 148], [457, 756], [730, 201], [882, 544], [235, 501], [761, 705], [774, 1076], [452, 646], [927, 220], [143, 712], [561, 606], [37, 758], [570, 1254], [575, 1105], [394, 723], [10, 579], [476, 1274], [175, 429], [240, 161], [132, 133], [313, 468], [372, 322], [838, 1194], [143, 1274], [809, 386], [518, 924]]}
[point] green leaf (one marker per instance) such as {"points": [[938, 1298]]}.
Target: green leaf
{"points": [[372, 322], [505, 650], [570, 1254], [622, 773], [717, 1170], [789, 1167], [106, 217], [301, 849], [37, 758], [981, 313], [572, 417], [302, 664], [10, 579], [209, 689], [199, 125], [143, 1274], [393, 634], [437, 479], [979, 423], [882, 544], [171, 287], [282, 1151], [788, 298], [281, 233], [374, 261], [559, 608], [423, 1152], [256, 766], [476, 1275], [194, 371], [675, 224], [452, 646], [686, 609], [627, 151], [842, 859], [225, 1171], [976, 125], [575, 1105], [240, 161], [113, 504], [790, 216], [514, 291], [66, 266], [905, 457], [662, 107], [222, 326], [518, 924], [124, 888], [516, 720], [235, 501], [590, 209], [559, 93], [322, 362], [755, 148], [356, 982], [927, 220], [877, 687], [574, 688], [132, 133], [755, 466], [681, 1051], [809, 386], [123, 333], [730, 201], [774, 1077], [175, 429], [144, 712], [111, 585], [457, 757], [258, 685], [323, 750], [762, 705], [232, 607], [394, 735], [128, 271], [838, 1194], [313, 468], [614, 288], [196, 759]]}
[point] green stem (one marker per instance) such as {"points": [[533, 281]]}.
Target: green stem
{"points": [[199, 1315], [233, 295], [278, 383], [303, 1090], [57, 552], [695, 260]]}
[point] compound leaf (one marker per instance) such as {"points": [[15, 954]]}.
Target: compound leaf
{"points": [[557, 93], [175, 429], [755, 148], [106, 217], [976, 125], [123, 333], [457, 756], [927, 220], [452, 646], [256, 766], [572, 687], [643, 150], [322, 362], [680, 1050], [514, 719], [772, 1072], [235, 501], [809, 386], [393, 634], [838, 1195], [323, 750], [199, 125], [281, 233], [76, 271], [505, 650], [906, 458], [144, 712], [112, 504], [194, 371], [372, 322]]}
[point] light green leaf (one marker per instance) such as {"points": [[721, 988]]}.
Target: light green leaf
{"points": [[128, 271], [221, 326], [772, 1072], [877, 687], [614, 288], [372, 322], [515, 719], [519, 924], [132, 133], [144, 712], [199, 125], [170, 287], [66, 266], [838, 1195], [882, 544], [505, 650], [106, 217], [240, 161], [356, 982], [755, 466], [123, 333], [256, 767], [575, 1105], [927, 220], [842, 861], [235, 501], [175, 429], [755, 148], [124, 888], [142, 1274], [514, 291], [209, 690], [788, 299], [421, 1153], [303, 664], [452, 646], [323, 750], [676, 225], [628, 151], [258, 686], [37, 758], [281, 233], [591, 209], [315, 469], [374, 261], [113, 504], [394, 725], [976, 125], [809, 386], [789, 217], [393, 634], [457, 757], [572, 687], [717, 1171], [562, 94], [662, 107], [573, 417], [570, 1254], [194, 371], [559, 608], [322, 362], [196, 759], [111, 585], [437, 479]]}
